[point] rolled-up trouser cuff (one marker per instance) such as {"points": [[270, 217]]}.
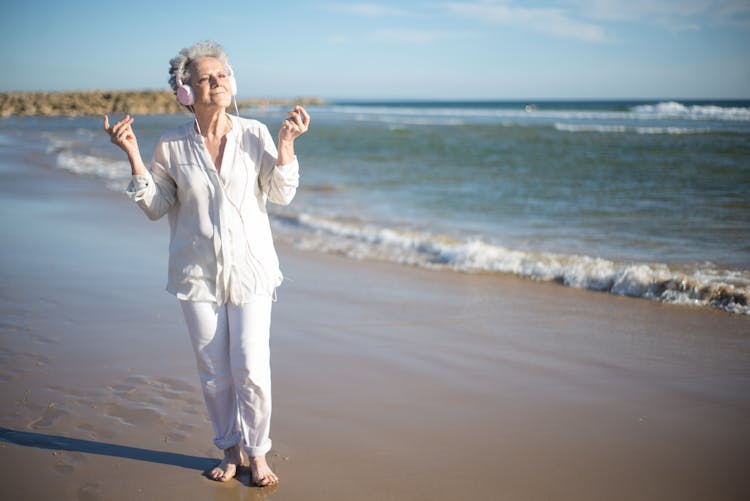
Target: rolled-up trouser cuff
{"points": [[260, 450], [229, 441]]}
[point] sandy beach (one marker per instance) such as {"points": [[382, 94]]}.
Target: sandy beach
{"points": [[390, 382]]}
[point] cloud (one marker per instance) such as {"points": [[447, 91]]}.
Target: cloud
{"points": [[734, 12], [548, 20], [639, 10], [671, 14], [371, 10]]}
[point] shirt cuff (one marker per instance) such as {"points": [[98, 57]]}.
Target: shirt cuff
{"points": [[290, 167], [137, 186]]}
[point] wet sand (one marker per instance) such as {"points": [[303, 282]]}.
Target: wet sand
{"points": [[389, 382]]}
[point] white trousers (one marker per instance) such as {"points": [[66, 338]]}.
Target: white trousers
{"points": [[232, 351]]}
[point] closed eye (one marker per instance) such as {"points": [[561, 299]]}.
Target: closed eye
{"points": [[203, 80]]}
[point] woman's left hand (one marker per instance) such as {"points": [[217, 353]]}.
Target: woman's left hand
{"points": [[295, 125]]}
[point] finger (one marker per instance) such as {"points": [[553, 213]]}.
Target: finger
{"points": [[125, 122], [117, 129], [295, 118], [299, 121], [121, 127], [111, 129], [127, 119], [289, 131], [305, 116]]}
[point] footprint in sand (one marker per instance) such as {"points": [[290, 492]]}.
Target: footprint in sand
{"points": [[88, 429], [134, 414], [176, 436], [175, 385], [16, 363], [126, 391], [67, 461], [90, 491], [137, 380], [51, 415]]}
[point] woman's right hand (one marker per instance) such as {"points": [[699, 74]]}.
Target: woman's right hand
{"points": [[121, 134]]}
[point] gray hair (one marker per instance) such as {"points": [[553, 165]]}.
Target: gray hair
{"points": [[179, 66]]}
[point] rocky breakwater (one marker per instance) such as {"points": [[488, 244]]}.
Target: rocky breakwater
{"points": [[100, 102], [87, 103]]}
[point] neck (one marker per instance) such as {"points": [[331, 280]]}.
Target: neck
{"points": [[213, 122]]}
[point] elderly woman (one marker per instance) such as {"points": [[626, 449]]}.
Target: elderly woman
{"points": [[212, 178]]}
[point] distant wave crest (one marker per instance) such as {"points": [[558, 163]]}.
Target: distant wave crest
{"points": [[618, 129], [673, 109]]}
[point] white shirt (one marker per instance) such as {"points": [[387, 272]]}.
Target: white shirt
{"points": [[220, 248]]}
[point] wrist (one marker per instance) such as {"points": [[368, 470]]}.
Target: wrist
{"points": [[286, 142], [133, 154], [286, 147], [137, 166]]}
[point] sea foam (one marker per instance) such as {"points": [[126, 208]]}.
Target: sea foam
{"points": [[673, 109], [68, 156], [702, 285], [619, 129]]}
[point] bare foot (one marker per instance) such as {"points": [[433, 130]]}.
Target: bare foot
{"points": [[261, 472], [227, 469]]}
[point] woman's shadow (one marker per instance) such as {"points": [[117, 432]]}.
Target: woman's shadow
{"points": [[56, 442], [59, 443]]}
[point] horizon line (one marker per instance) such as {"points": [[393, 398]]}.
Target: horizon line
{"points": [[390, 99]]}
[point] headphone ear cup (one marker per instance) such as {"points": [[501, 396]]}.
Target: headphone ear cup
{"points": [[232, 80], [232, 84], [185, 95]]}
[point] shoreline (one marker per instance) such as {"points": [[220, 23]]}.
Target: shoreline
{"points": [[381, 372]]}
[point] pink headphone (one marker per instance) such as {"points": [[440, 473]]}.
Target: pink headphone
{"points": [[186, 96]]}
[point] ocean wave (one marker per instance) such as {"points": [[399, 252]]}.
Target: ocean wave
{"points": [[77, 163], [619, 129], [725, 289], [67, 156], [674, 109], [670, 130], [401, 120], [460, 115], [590, 128]]}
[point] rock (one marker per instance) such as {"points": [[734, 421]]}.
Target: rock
{"points": [[100, 102]]}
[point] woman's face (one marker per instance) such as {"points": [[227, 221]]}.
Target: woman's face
{"points": [[210, 83]]}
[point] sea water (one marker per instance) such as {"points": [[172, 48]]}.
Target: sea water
{"points": [[646, 199]]}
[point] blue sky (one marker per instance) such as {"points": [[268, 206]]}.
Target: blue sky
{"points": [[503, 49]]}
